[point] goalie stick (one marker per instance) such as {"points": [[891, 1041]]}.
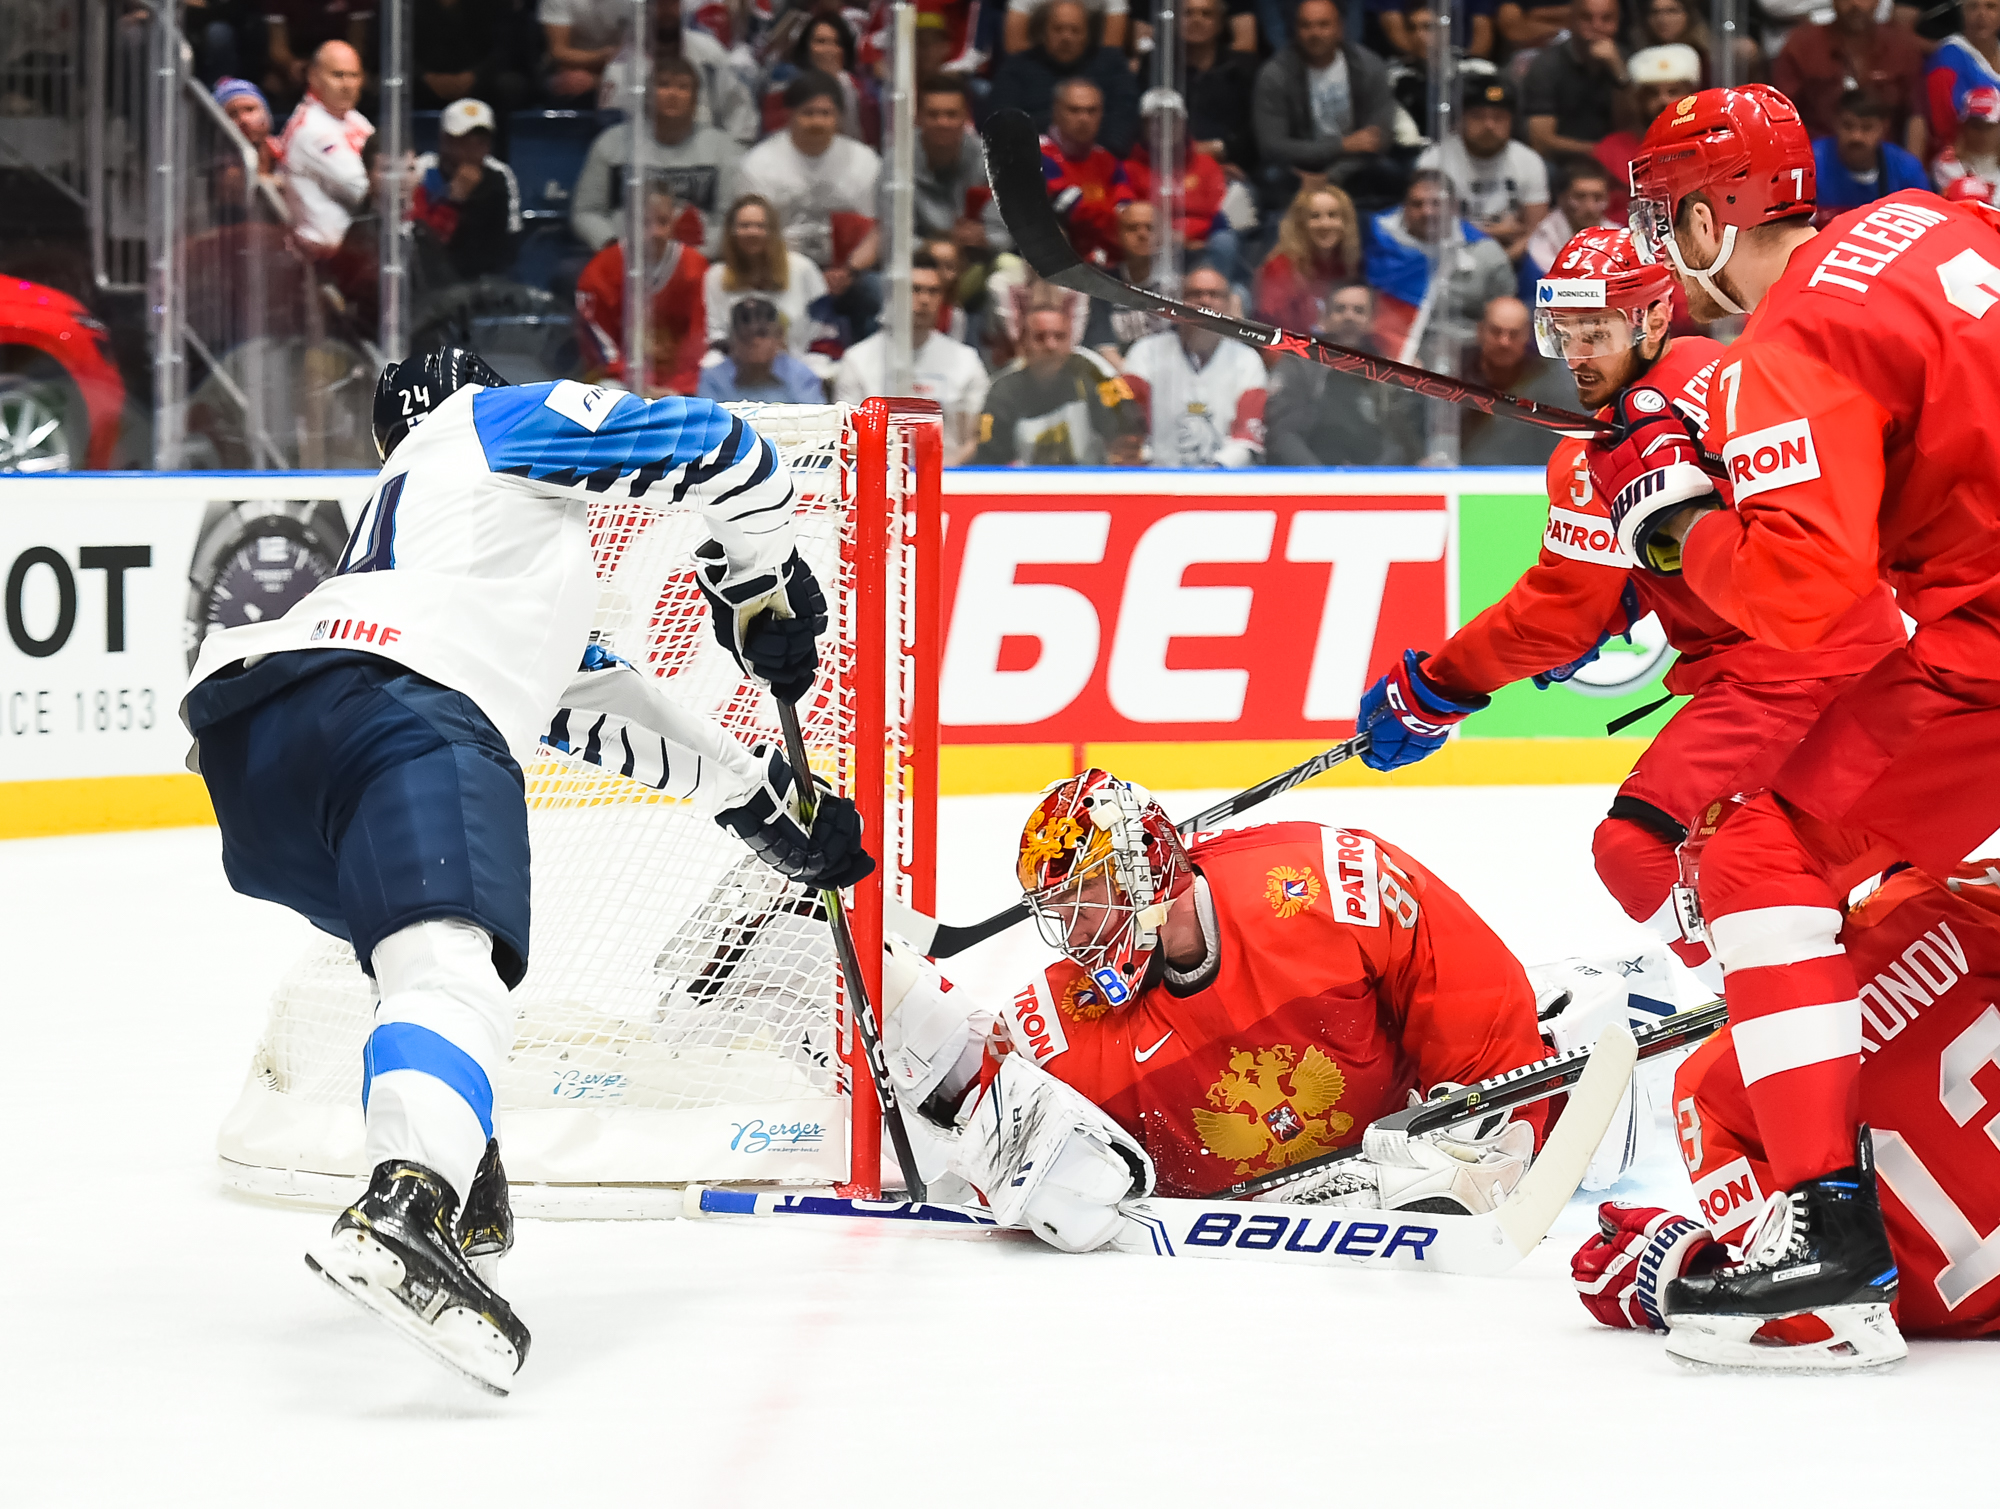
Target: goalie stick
{"points": [[1322, 1235], [1014, 169], [850, 967], [940, 940]]}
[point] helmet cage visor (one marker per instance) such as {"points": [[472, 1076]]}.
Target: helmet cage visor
{"points": [[1577, 334]]}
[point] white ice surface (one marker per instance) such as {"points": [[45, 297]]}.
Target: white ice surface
{"points": [[161, 1343]]}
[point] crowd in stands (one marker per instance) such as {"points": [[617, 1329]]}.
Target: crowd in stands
{"points": [[1312, 197]]}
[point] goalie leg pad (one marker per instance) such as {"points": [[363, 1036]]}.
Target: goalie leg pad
{"points": [[1048, 1160]]}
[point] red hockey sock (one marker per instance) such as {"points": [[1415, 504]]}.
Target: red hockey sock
{"points": [[1774, 918]]}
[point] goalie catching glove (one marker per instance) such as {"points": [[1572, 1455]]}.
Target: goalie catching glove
{"points": [[768, 620], [828, 855], [1649, 466]]}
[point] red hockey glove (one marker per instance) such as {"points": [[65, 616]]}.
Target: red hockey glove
{"points": [[1650, 468], [1621, 1272]]}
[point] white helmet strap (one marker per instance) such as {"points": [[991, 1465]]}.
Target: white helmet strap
{"points": [[1706, 275]]}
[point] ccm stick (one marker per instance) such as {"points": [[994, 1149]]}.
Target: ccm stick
{"points": [[1014, 170], [850, 966], [941, 940], [1317, 1235]]}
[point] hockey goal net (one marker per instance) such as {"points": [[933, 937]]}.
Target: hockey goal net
{"points": [[682, 1017]]}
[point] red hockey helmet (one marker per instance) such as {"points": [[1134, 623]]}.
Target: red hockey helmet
{"points": [[1100, 860], [1595, 298], [1746, 148]]}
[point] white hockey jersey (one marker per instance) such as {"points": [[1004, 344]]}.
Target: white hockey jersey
{"points": [[1206, 415], [471, 565]]}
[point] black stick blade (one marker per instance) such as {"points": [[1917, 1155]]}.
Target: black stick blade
{"points": [[1014, 173]]}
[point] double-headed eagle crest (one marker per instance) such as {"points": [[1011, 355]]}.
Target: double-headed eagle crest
{"points": [[1286, 1122]]}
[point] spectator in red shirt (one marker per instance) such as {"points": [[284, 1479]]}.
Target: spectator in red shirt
{"points": [[1319, 248], [1818, 64], [1201, 227], [676, 333], [1085, 182]]}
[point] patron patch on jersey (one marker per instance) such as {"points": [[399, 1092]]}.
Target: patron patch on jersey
{"points": [[1776, 456], [1585, 537], [587, 405], [1037, 1030], [1356, 879], [1729, 1196]]}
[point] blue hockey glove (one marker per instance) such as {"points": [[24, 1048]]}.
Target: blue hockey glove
{"points": [[1405, 717]]}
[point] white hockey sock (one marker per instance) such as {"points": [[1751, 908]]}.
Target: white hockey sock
{"points": [[442, 1028]]}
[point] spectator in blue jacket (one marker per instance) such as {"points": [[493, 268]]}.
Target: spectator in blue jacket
{"points": [[1858, 164], [758, 368]]}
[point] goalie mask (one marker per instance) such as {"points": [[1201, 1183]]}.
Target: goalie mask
{"points": [[1100, 860]]}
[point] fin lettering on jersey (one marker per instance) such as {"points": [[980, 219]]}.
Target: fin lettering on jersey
{"points": [[1356, 879], [354, 631], [1037, 1028], [1776, 456], [1867, 247], [586, 405], [1927, 970]]}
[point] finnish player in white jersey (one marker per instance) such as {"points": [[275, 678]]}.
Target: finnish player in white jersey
{"points": [[364, 754]]}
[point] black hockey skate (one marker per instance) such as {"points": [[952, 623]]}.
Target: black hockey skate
{"points": [[1813, 1291], [394, 1252], [486, 1229]]}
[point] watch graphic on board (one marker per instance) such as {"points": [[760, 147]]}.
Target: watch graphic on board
{"points": [[254, 559]]}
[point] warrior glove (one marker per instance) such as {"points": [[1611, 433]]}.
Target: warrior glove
{"points": [[1622, 1271], [1649, 466]]}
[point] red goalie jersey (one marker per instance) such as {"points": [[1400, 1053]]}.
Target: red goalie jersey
{"points": [[1349, 975], [1929, 961]]}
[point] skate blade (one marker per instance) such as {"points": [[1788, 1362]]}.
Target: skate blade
{"points": [[1862, 1339], [468, 1344]]}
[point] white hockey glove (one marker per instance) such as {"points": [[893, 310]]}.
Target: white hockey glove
{"points": [[1575, 1000], [1466, 1169], [770, 620], [932, 1041], [1048, 1160], [829, 856]]}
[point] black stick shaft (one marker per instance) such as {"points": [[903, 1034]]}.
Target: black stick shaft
{"points": [[858, 1005]]}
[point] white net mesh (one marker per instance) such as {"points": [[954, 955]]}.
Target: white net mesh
{"points": [[674, 982]]}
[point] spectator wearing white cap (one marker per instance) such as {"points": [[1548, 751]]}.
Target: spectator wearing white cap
{"points": [[1660, 77], [1502, 184], [467, 198]]}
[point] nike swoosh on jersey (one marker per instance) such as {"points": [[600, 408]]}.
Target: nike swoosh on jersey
{"points": [[1140, 1055]]}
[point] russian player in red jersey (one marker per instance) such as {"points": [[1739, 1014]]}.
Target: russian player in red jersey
{"points": [[1606, 313], [1224, 1010], [1850, 434], [1929, 952]]}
